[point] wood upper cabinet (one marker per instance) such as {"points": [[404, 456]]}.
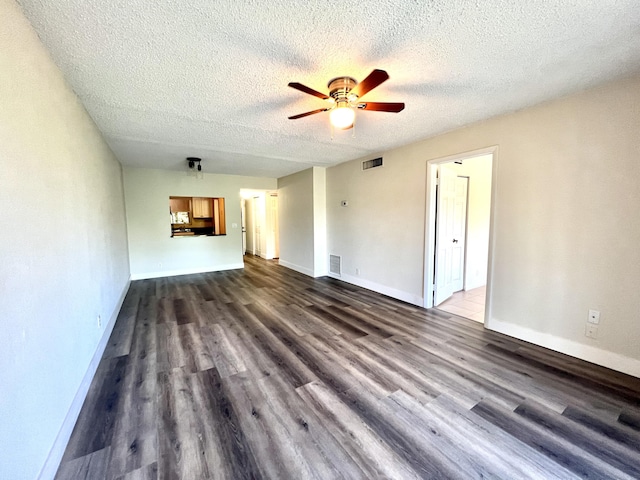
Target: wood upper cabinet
{"points": [[201, 207], [180, 204]]}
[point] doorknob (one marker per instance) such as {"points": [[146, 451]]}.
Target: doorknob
{"points": [[455, 240]]}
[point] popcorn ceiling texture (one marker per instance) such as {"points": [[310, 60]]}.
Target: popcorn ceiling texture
{"points": [[164, 80]]}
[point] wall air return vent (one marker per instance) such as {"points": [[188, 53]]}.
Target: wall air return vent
{"points": [[335, 265], [368, 164]]}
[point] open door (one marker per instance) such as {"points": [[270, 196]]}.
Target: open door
{"points": [[243, 223], [445, 234], [258, 218], [272, 220]]}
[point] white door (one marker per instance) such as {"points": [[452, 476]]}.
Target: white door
{"points": [[446, 203], [243, 224], [274, 228], [459, 233], [249, 221], [258, 216]]}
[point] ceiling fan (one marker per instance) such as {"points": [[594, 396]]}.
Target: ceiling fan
{"points": [[344, 95]]}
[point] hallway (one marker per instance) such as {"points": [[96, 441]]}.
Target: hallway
{"points": [[469, 304]]}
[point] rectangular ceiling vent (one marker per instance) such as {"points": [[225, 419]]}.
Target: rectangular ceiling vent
{"points": [[368, 164], [335, 264]]}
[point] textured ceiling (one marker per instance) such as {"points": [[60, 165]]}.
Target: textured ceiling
{"points": [[164, 80]]}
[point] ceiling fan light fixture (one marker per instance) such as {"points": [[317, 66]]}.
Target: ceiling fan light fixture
{"points": [[195, 168], [345, 93], [342, 116]]}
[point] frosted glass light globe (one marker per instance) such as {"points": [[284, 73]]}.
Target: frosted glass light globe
{"points": [[342, 117]]}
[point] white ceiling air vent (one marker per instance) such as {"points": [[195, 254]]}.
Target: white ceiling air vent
{"points": [[335, 265], [368, 164]]}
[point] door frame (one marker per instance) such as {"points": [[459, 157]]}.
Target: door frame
{"points": [[430, 220]]}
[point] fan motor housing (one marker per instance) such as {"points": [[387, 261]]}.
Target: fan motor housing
{"points": [[340, 87]]}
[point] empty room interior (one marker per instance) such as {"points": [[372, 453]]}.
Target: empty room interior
{"points": [[313, 239]]}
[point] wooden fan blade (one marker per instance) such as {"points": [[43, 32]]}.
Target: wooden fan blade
{"points": [[382, 106], [310, 91], [306, 114], [374, 79]]}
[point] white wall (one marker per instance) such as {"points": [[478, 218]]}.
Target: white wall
{"points": [[478, 170], [64, 252], [152, 250], [565, 224]]}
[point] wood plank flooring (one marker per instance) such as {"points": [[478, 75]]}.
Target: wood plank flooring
{"points": [[267, 373]]}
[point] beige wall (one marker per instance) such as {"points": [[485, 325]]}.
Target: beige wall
{"points": [[153, 252], [380, 233], [64, 252], [320, 258], [295, 212], [566, 228], [302, 219]]}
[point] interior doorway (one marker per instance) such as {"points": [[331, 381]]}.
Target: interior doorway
{"points": [[458, 237], [260, 223]]}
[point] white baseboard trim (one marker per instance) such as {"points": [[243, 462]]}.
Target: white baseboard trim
{"points": [[297, 268], [604, 358], [186, 271], [383, 289], [54, 458]]}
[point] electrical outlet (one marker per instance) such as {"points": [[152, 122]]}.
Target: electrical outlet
{"points": [[591, 330], [99, 321], [357, 271], [594, 316]]}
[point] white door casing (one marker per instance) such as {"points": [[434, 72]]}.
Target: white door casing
{"points": [[430, 224]]}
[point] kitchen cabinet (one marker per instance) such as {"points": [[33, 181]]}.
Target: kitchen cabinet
{"points": [[195, 216], [201, 207], [180, 204]]}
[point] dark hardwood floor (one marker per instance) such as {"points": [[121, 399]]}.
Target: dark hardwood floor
{"points": [[267, 373]]}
